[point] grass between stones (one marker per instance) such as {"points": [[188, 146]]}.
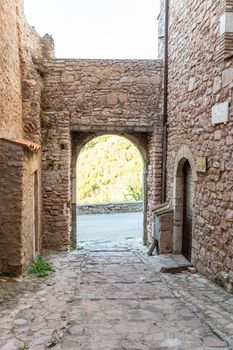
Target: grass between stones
{"points": [[41, 267], [81, 245]]}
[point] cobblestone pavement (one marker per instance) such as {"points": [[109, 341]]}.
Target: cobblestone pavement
{"points": [[112, 296]]}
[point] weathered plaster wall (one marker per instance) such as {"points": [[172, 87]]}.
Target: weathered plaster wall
{"points": [[99, 96], [197, 81]]}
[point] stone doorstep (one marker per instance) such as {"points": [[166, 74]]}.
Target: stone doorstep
{"points": [[175, 269]]}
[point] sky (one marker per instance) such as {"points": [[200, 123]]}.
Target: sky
{"points": [[124, 29]]}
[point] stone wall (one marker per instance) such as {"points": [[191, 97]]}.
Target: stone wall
{"points": [[56, 170], [104, 92], [31, 218], [18, 206], [92, 98], [21, 68], [166, 238], [11, 173], [198, 80], [10, 72], [82, 99], [153, 175], [34, 50], [109, 208]]}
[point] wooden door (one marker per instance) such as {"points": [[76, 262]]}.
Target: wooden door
{"points": [[187, 211]]}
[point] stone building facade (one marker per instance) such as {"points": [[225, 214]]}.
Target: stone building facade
{"points": [[21, 54], [200, 130], [50, 108]]}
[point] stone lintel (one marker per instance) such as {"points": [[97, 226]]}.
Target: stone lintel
{"points": [[114, 128]]}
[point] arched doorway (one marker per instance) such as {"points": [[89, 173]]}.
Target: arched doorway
{"points": [[138, 145], [185, 178], [187, 211]]}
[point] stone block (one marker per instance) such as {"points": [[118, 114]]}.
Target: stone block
{"points": [[226, 23], [220, 113], [227, 77]]}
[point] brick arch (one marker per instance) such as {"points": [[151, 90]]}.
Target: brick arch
{"points": [[184, 154], [79, 142]]}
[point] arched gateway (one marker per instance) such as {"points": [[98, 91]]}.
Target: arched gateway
{"points": [[83, 99], [80, 141]]}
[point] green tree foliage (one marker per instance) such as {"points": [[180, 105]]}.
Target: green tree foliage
{"points": [[109, 169]]}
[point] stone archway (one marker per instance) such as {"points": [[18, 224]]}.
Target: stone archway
{"points": [[183, 156], [86, 98], [79, 140]]}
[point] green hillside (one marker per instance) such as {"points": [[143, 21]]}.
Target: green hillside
{"points": [[109, 169]]}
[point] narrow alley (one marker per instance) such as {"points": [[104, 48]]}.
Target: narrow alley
{"points": [[112, 296]]}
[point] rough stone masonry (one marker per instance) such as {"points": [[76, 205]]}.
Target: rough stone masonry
{"points": [[111, 298], [50, 108], [200, 81], [60, 105], [81, 100]]}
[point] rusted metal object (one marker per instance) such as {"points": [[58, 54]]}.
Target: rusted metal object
{"points": [[175, 269], [154, 245]]}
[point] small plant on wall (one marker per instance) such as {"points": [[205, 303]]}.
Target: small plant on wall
{"points": [[134, 193]]}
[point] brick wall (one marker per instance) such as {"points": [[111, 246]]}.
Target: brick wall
{"points": [[198, 81]]}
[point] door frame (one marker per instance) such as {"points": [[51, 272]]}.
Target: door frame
{"points": [[183, 155], [79, 140], [187, 239]]}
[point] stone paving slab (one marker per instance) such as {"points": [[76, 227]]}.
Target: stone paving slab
{"points": [[112, 296]]}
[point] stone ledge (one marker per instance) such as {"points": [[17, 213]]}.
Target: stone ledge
{"points": [[110, 128], [110, 208]]}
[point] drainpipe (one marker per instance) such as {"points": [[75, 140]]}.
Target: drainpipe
{"points": [[155, 243], [164, 140]]}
